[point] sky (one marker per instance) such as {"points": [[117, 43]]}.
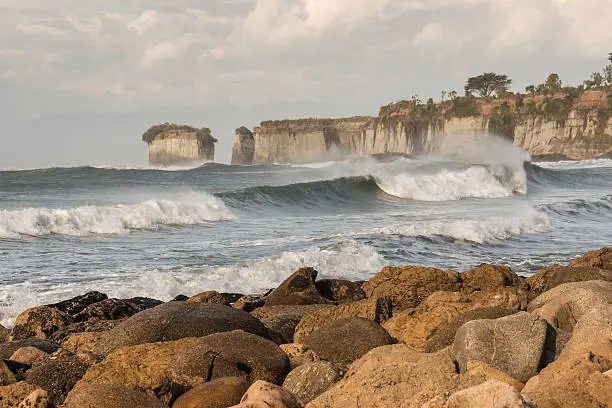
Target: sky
{"points": [[81, 80]]}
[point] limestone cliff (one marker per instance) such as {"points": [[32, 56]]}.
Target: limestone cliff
{"points": [[574, 125], [244, 147], [171, 144]]}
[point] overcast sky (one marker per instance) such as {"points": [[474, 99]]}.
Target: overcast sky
{"points": [[79, 79]]}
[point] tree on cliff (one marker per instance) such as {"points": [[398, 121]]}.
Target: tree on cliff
{"points": [[553, 82], [487, 84]]}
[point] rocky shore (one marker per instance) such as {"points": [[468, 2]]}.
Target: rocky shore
{"points": [[409, 337]]}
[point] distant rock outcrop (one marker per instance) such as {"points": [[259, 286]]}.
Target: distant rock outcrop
{"points": [[171, 144], [244, 147]]}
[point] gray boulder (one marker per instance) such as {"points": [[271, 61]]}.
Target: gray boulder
{"points": [[310, 380]]}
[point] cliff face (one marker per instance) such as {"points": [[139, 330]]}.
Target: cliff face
{"points": [[244, 147], [576, 126], [171, 144]]}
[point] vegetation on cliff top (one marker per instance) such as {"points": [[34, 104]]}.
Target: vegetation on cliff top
{"points": [[314, 121], [203, 135]]}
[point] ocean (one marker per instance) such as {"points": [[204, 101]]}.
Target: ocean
{"points": [[160, 232]]}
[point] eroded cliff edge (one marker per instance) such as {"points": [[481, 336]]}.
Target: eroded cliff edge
{"points": [[572, 125], [171, 144]]}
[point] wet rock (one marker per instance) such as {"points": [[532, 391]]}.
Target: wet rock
{"points": [[110, 396], [6, 375], [109, 309], [265, 395], [310, 380], [340, 291], [180, 298], [28, 355], [219, 393], [518, 345], [249, 303], [89, 326], [40, 322], [577, 381], [408, 286], [490, 277], [345, 340], [601, 258], [491, 394], [445, 336], [176, 320], [226, 299], [563, 305], [7, 349], [416, 326], [230, 354], [284, 325], [78, 303], [376, 309], [144, 303], [298, 289], [57, 376], [299, 354], [395, 376], [556, 275], [12, 395]]}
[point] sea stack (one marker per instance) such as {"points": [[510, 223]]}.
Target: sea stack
{"points": [[244, 147], [171, 144]]}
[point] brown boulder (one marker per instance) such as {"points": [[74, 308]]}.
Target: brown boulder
{"points": [[490, 277], [57, 376], [212, 296], [80, 343], [310, 380], [8, 348], [4, 333], [491, 394], [300, 310], [592, 334], [6, 375], [577, 381], [299, 354], [177, 320], [78, 303], [297, 289], [519, 345], [265, 395], [88, 326], [284, 325], [556, 275], [109, 309], [40, 322], [395, 377], [249, 303], [219, 393], [345, 340], [601, 258], [12, 395], [481, 369], [340, 291], [408, 286], [563, 305], [110, 396], [230, 354], [37, 399], [416, 327], [28, 355], [376, 309]]}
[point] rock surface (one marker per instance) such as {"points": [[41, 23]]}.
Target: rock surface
{"points": [[490, 277], [299, 354], [28, 355], [110, 396], [177, 320], [340, 291], [40, 322], [491, 394], [556, 275], [219, 393], [8, 348], [57, 376], [12, 395], [215, 297], [4, 333], [297, 289], [265, 395], [6, 375], [310, 380], [78, 303], [518, 345]]}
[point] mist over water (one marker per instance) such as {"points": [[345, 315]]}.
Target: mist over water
{"points": [[140, 231]]}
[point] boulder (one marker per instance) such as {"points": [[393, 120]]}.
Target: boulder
{"points": [[40, 322], [284, 325], [601, 258], [180, 298], [219, 393], [299, 354], [110, 396], [215, 297], [519, 345], [6, 375], [576, 381], [12, 395], [416, 327], [57, 376], [177, 320], [340, 291], [230, 354], [490, 277], [297, 289], [8, 348], [249, 303], [376, 309], [592, 334], [4, 333], [482, 369], [345, 340], [88, 326], [310, 380], [37, 399], [109, 309], [408, 286], [556, 275], [78, 303], [445, 336], [28, 355], [563, 305], [300, 310], [395, 376], [491, 394], [265, 395], [80, 343], [144, 303]]}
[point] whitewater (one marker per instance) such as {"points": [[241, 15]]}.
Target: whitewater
{"points": [[156, 232]]}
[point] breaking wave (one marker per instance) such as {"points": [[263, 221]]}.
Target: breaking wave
{"points": [[578, 207], [116, 219]]}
